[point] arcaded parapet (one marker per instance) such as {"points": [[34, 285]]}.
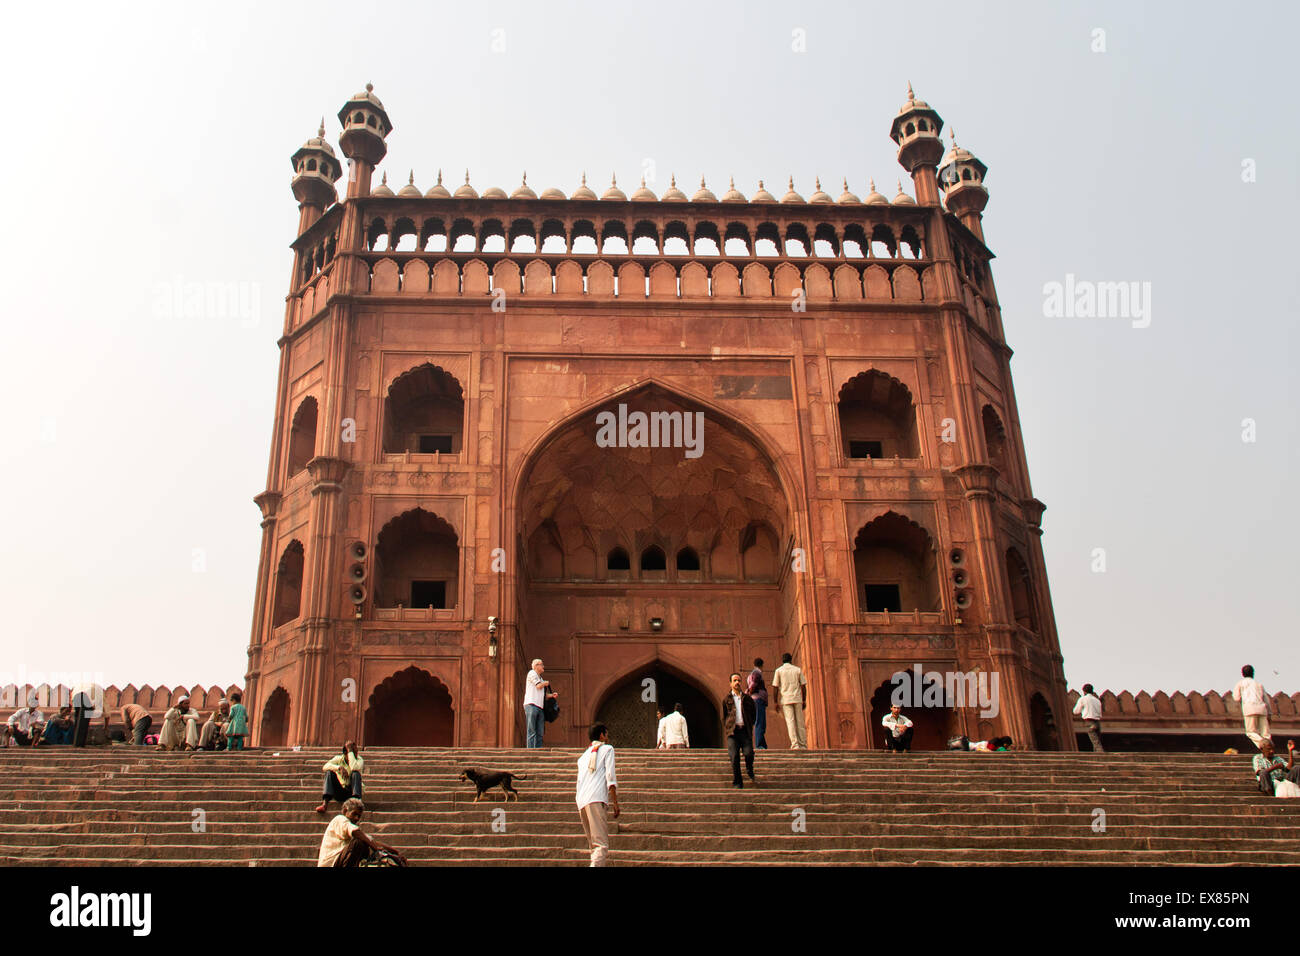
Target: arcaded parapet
{"points": [[1193, 712], [155, 700]]}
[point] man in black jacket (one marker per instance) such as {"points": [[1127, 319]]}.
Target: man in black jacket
{"points": [[738, 714]]}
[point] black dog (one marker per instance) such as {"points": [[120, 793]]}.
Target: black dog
{"points": [[485, 780]]}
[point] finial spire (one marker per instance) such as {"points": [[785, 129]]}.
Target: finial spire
{"points": [[411, 180], [584, 177], [872, 181], [613, 180], [383, 180], [643, 180], [370, 87], [846, 183], [791, 184], [910, 94], [732, 181], [440, 176], [672, 180], [702, 186], [817, 183], [525, 180], [467, 176], [321, 131]]}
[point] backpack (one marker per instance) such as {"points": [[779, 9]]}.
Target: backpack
{"points": [[551, 709]]}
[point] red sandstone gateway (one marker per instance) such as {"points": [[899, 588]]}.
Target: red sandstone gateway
{"points": [[861, 498]]}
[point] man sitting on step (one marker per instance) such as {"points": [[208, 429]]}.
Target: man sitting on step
{"points": [[24, 726], [345, 844], [342, 777], [899, 736]]}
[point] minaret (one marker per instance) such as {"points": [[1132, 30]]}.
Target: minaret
{"points": [[962, 179], [916, 130], [315, 171], [365, 127]]}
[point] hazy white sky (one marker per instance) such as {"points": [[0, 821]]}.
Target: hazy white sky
{"points": [[148, 150]]}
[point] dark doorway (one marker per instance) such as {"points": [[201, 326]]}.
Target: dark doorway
{"points": [[410, 709], [631, 719], [429, 594], [1040, 717], [931, 726], [275, 719]]}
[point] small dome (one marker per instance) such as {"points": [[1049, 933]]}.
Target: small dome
{"points": [[382, 189], [367, 95], [704, 194], [673, 194], [818, 195], [613, 193], [791, 195], [912, 102], [644, 194], [523, 192], [494, 192], [582, 192], [319, 142], [733, 194], [903, 199], [467, 191], [874, 198], [847, 198], [552, 193], [409, 191], [439, 191], [762, 195]]}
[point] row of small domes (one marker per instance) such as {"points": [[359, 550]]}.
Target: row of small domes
{"points": [[643, 194]]}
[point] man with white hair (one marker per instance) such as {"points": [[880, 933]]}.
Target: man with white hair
{"points": [[536, 690]]}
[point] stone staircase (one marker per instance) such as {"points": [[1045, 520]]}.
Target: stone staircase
{"points": [[126, 805]]}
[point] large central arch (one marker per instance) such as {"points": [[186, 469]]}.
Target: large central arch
{"points": [[628, 708], [615, 537]]}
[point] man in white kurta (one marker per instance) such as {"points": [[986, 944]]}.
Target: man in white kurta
{"points": [[597, 792]]}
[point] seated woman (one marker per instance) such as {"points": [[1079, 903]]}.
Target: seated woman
{"points": [[342, 776], [1282, 779]]}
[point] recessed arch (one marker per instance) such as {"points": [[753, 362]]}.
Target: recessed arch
{"points": [[417, 562], [895, 566], [275, 719], [412, 708], [424, 412], [877, 417], [302, 436], [288, 584]]}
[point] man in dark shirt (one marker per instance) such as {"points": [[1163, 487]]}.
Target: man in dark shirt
{"points": [[737, 727]]}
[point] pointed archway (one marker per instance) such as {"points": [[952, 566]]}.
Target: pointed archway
{"points": [[1044, 724], [628, 708], [275, 719], [932, 726], [410, 709]]}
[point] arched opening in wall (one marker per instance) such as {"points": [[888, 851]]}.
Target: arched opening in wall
{"points": [[492, 236], [631, 719], [410, 709], [995, 440], [688, 560], [288, 585], [378, 231], [1022, 594], [653, 559], [931, 725], [895, 566], [424, 412], [1044, 724], [275, 719], [735, 240], [883, 244], [758, 547], [302, 436], [417, 562], [877, 418], [404, 236], [911, 243], [618, 560]]}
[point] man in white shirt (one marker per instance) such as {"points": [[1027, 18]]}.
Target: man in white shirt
{"points": [[1254, 705], [899, 736], [672, 731], [24, 726], [345, 844], [536, 690], [792, 694], [1088, 707], [597, 792]]}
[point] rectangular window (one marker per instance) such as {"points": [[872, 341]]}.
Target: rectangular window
{"points": [[429, 594], [883, 597], [435, 443], [865, 449]]}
